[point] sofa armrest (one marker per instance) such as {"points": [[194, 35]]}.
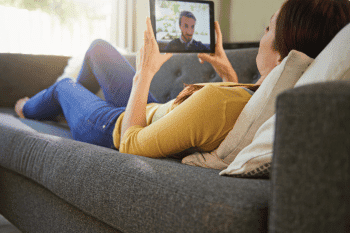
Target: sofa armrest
{"points": [[310, 170]]}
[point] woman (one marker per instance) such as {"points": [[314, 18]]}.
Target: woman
{"points": [[132, 121]]}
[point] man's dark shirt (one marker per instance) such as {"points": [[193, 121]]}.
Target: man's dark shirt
{"points": [[177, 45]]}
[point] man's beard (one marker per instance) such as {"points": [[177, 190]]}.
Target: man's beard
{"points": [[185, 38]]}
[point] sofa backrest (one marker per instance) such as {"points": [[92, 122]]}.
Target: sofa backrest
{"points": [[25, 75], [185, 69]]}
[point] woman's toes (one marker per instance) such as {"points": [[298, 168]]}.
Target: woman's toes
{"points": [[19, 107]]}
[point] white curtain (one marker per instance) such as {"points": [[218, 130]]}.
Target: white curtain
{"points": [[123, 26], [38, 32]]}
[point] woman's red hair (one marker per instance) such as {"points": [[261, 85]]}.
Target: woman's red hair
{"points": [[309, 25]]}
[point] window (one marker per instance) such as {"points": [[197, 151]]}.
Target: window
{"points": [[58, 27]]}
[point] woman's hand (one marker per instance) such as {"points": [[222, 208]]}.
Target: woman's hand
{"points": [[149, 60], [219, 59]]}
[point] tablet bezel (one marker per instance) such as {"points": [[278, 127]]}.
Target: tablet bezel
{"points": [[211, 20]]}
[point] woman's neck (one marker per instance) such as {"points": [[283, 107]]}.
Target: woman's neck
{"points": [[261, 79]]}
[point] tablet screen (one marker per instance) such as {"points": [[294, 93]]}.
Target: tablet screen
{"points": [[183, 26]]}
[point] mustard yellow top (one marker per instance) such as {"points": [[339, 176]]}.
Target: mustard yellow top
{"points": [[202, 121]]}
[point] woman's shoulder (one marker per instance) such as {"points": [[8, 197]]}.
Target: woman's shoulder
{"points": [[221, 92], [229, 84]]}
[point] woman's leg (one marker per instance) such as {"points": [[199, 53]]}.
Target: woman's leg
{"points": [[89, 118], [111, 70]]}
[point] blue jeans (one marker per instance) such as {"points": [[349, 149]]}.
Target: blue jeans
{"points": [[89, 118]]}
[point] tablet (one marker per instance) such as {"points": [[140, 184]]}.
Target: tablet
{"points": [[183, 26]]}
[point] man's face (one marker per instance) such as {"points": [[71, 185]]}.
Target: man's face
{"points": [[187, 28]]}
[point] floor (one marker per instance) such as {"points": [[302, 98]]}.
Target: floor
{"points": [[6, 226]]}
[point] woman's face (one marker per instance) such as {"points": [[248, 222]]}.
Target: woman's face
{"points": [[268, 58]]}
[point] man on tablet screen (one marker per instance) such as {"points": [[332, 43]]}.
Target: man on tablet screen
{"points": [[187, 23]]}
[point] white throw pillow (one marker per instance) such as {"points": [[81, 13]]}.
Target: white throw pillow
{"points": [[73, 67], [258, 109], [255, 159], [333, 63]]}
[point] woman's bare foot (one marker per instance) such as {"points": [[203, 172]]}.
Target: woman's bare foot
{"points": [[19, 106]]}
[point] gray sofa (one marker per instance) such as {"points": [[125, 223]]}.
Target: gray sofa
{"points": [[51, 183]]}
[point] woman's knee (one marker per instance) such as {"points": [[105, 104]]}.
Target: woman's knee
{"points": [[64, 83], [99, 42], [101, 46]]}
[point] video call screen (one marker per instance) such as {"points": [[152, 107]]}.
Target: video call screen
{"points": [[183, 26]]}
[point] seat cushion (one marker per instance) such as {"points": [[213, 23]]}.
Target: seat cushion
{"points": [[52, 128], [130, 192]]}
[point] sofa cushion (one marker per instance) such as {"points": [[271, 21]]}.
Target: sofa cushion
{"points": [[258, 109], [255, 159], [133, 193], [52, 128]]}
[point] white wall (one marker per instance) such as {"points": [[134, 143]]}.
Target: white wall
{"points": [[248, 19]]}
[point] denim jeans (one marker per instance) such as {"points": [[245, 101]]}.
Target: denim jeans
{"points": [[90, 118]]}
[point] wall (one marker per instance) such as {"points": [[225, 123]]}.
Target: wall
{"points": [[247, 18]]}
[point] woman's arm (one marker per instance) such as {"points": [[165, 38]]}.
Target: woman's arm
{"points": [[149, 61], [219, 59]]}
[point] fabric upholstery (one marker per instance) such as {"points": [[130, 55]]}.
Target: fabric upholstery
{"points": [[310, 177], [133, 193], [33, 208], [24, 75], [47, 127]]}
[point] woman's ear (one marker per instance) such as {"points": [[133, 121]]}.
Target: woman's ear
{"points": [[279, 59]]}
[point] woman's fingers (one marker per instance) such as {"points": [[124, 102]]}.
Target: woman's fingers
{"points": [[149, 26], [145, 38], [211, 58], [205, 57], [218, 33], [150, 31], [150, 60]]}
